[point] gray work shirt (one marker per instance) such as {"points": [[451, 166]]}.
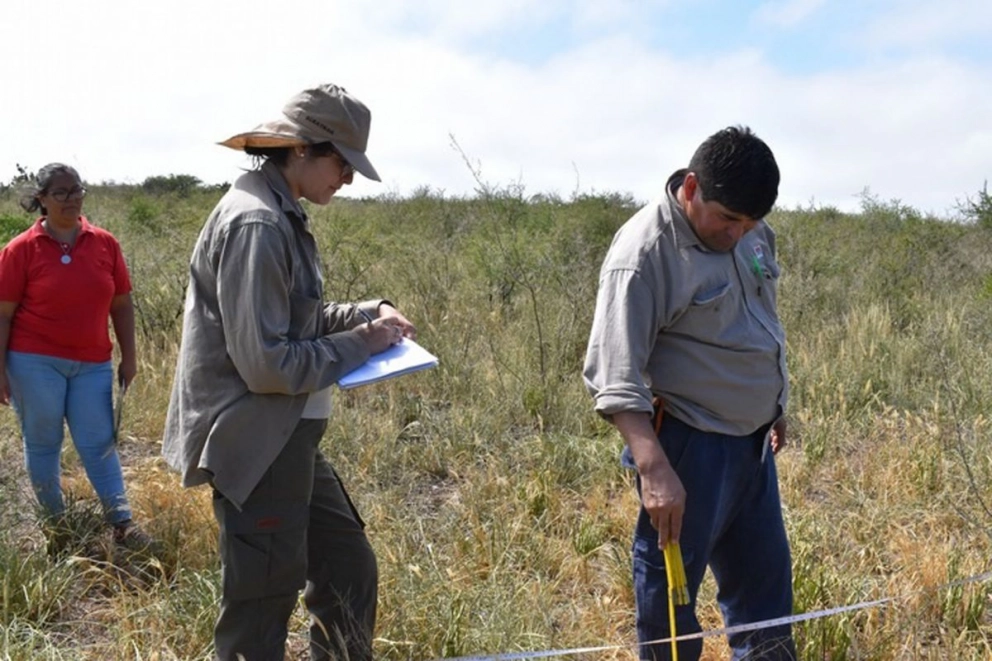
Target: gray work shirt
{"points": [[697, 328], [257, 338]]}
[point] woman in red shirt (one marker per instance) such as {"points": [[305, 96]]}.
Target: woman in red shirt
{"points": [[59, 281]]}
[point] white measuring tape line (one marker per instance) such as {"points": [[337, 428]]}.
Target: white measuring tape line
{"points": [[740, 628]]}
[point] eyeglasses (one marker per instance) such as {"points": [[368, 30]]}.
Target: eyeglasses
{"points": [[65, 194], [347, 169]]}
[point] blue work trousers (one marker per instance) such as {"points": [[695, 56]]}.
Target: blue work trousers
{"points": [[733, 524]]}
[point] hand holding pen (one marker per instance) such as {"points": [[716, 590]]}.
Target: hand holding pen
{"points": [[384, 332]]}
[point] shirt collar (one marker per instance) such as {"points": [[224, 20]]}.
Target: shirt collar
{"points": [[277, 182], [684, 233], [85, 227]]}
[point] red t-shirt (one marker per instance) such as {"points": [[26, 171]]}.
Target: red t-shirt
{"points": [[62, 308]]}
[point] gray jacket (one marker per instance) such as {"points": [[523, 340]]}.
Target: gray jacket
{"points": [[695, 327], [257, 338]]}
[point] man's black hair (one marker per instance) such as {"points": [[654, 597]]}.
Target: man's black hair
{"points": [[737, 169]]}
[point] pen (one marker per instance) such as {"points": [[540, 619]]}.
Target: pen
{"points": [[365, 315], [758, 271], [756, 266]]}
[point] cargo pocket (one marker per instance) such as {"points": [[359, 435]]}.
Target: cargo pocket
{"points": [[263, 554]]}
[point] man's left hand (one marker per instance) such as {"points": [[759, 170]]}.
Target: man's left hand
{"points": [[778, 435]]}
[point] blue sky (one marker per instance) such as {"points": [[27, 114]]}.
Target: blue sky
{"points": [[557, 96], [803, 37]]}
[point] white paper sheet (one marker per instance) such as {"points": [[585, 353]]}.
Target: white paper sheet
{"points": [[403, 358]]}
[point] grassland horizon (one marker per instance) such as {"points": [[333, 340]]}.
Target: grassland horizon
{"points": [[493, 494]]}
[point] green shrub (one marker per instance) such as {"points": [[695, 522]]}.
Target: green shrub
{"points": [[180, 184], [143, 212], [978, 210], [11, 226]]}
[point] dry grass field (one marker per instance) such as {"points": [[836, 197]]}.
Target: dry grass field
{"points": [[494, 496]]}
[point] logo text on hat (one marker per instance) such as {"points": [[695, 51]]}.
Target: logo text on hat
{"points": [[319, 123]]}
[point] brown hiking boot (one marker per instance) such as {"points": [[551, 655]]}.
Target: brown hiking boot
{"points": [[129, 536]]}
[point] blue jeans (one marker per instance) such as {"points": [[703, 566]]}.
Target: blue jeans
{"points": [[45, 391], [733, 524]]}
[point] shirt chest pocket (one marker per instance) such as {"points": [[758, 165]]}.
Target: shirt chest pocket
{"points": [[709, 312], [710, 296], [305, 315]]}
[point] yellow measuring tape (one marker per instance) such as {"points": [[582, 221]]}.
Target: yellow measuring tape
{"points": [[678, 593]]}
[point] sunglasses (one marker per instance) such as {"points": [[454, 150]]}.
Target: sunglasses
{"points": [[66, 194], [347, 169]]}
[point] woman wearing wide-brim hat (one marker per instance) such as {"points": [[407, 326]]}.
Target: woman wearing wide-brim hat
{"points": [[252, 392]]}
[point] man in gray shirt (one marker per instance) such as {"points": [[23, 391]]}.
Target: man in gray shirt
{"points": [[687, 358]]}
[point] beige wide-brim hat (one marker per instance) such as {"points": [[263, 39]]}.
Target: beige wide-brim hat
{"points": [[326, 113]]}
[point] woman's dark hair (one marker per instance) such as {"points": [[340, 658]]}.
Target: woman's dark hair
{"points": [[280, 155], [737, 169], [35, 189]]}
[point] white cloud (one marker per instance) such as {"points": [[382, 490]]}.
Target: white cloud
{"points": [[454, 21], [787, 13], [125, 94], [922, 24], [910, 131], [464, 21]]}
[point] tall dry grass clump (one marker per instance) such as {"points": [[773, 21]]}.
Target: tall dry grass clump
{"points": [[494, 496]]}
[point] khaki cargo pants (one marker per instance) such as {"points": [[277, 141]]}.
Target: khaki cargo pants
{"points": [[297, 530]]}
